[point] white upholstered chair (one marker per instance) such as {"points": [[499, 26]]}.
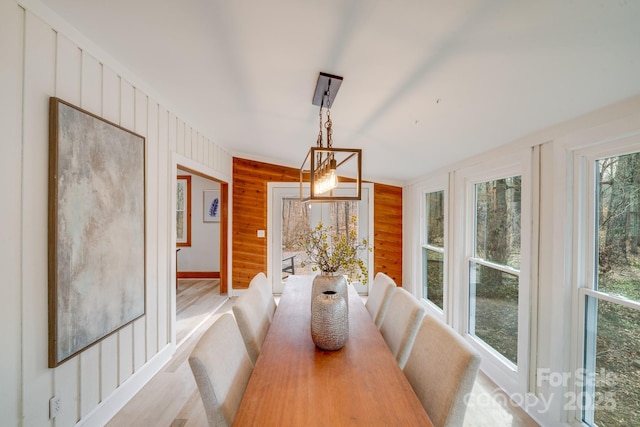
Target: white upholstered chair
{"points": [[261, 282], [221, 368], [442, 368], [400, 324], [250, 310], [379, 297]]}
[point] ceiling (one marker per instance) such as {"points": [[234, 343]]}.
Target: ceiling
{"points": [[426, 83]]}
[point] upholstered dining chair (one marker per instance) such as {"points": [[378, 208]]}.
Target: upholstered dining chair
{"points": [[221, 368], [379, 297], [250, 310], [442, 368], [400, 324], [261, 282]]}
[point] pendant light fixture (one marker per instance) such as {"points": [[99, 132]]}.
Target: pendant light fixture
{"points": [[325, 168]]}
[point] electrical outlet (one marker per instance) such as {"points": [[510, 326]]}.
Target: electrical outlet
{"points": [[54, 407]]}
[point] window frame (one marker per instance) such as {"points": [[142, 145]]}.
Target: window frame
{"points": [[185, 180], [473, 259], [584, 247], [438, 184], [498, 367]]}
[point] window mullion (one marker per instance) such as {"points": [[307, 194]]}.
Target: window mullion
{"points": [[434, 248], [503, 268]]}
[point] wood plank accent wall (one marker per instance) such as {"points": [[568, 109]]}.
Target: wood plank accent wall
{"points": [[250, 180], [387, 231]]}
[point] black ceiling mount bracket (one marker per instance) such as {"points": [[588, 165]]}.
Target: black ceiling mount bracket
{"points": [[327, 83]]}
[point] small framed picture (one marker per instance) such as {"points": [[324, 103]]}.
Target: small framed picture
{"points": [[212, 206]]}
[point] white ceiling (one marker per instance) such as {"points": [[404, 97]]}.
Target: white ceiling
{"points": [[426, 83]]}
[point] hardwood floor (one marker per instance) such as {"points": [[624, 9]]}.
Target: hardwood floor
{"points": [[196, 299], [171, 398], [489, 406]]}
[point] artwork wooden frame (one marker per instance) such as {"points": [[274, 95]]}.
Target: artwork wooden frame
{"points": [[183, 211], [97, 280], [211, 206]]}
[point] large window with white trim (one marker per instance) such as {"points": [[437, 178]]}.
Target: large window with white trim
{"points": [[609, 390], [494, 266], [433, 250]]}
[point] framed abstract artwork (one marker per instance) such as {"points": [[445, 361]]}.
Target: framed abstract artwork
{"points": [[183, 211], [212, 206], [96, 229]]}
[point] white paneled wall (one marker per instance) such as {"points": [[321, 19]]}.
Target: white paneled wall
{"points": [[40, 61]]}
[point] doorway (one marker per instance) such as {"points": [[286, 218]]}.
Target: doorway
{"points": [[287, 216], [200, 261]]}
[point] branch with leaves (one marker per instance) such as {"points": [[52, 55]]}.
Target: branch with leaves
{"points": [[332, 253]]}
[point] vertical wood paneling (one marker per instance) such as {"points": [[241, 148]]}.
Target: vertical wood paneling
{"points": [[125, 335], [187, 141], [152, 228], [387, 231], [12, 48], [68, 70], [91, 84], [201, 152], [195, 145], [67, 387], [39, 74], [68, 87], [127, 105], [140, 325], [163, 226], [125, 353], [212, 155], [206, 155], [109, 346], [91, 100], [180, 134], [50, 64], [173, 133], [110, 95], [108, 366], [250, 180], [89, 379]]}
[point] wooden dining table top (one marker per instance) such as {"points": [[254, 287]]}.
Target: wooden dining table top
{"points": [[294, 383]]}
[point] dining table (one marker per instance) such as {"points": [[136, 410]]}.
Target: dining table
{"points": [[295, 383]]}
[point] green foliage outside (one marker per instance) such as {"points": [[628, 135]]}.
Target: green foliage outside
{"points": [[618, 327]]}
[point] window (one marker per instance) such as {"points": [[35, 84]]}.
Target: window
{"points": [[297, 217], [289, 216], [433, 249], [183, 210], [494, 266], [611, 296]]}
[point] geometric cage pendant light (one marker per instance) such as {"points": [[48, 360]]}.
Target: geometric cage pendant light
{"points": [[333, 174]]}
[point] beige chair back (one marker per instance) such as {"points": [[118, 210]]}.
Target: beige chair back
{"points": [[261, 282], [379, 297], [250, 310], [442, 368], [221, 368], [400, 324]]}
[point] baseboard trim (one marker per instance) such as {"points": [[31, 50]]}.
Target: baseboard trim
{"points": [[198, 274]]}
